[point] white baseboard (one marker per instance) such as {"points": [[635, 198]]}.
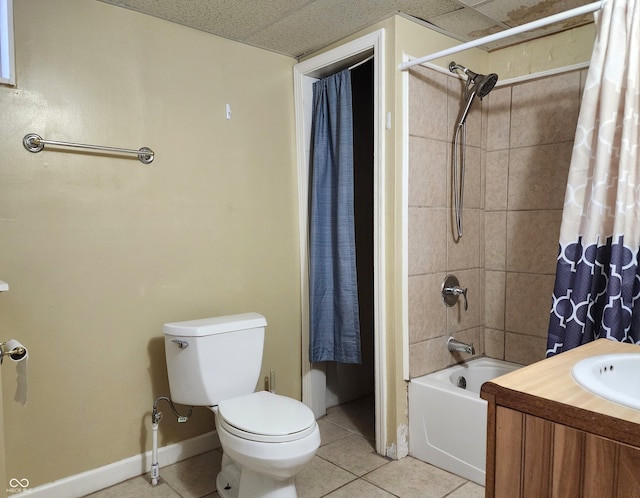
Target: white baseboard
{"points": [[82, 484]]}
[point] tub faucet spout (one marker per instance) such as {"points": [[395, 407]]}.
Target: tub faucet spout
{"points": [[453, 345]]}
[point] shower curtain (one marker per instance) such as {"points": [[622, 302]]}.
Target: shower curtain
{"points": [[333, 298], [597, 282]]}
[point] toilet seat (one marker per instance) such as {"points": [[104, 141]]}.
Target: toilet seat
{"points": [[266, 417]]}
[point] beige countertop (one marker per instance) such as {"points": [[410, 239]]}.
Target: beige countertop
{"points": [[546, 389]]}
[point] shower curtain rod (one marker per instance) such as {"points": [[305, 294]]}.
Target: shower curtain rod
{"points": [[35, 143], [585, 9]]}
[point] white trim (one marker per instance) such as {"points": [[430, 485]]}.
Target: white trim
{"points": [[585, 9], [7, 51], [543, 74], [514, 80], [321, 65], [405, 222], [94, 480]]}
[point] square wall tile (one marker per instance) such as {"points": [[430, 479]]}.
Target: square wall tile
{"points": [[428, 171], [533, 241], [427, 240], [494, 343], [498, 104], [545, 110], [428, 356], [524, 349], [528, 303], [495, 240], [428, 107], [427, 311], [496, 179], [538, 176], [472, 178], [465, 253], [495, 294]]}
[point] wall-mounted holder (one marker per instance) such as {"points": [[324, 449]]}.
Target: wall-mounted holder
{"points": [[451, 290], [13, 349], [35, 143]]}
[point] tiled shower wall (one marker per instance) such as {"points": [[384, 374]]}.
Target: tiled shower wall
{"points": [[519, 142]]}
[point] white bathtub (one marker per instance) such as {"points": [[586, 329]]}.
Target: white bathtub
{"points": [[448, 424]]}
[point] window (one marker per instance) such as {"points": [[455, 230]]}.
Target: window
{"points": [[7, 68]]}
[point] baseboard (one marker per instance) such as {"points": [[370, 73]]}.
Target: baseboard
{"points": [[82, 484]]}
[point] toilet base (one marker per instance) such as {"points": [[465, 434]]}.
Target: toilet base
{"points": [[230, 484], [228, 481]]}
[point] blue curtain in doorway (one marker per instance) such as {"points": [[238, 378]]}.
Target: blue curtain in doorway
{"points": [[333, 306]]}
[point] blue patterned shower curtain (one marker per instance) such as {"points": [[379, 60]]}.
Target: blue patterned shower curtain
{"points": [[333, 299], [597, 285]]}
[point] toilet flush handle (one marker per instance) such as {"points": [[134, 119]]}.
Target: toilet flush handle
{"points": [[181, 344]]}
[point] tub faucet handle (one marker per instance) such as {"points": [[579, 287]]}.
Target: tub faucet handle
{"points": [[451, 290]]}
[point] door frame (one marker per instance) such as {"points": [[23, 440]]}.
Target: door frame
{"points": [[305, 73]]}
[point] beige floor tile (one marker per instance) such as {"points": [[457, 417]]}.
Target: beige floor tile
{"points": [[195, 477], [359, 488], [321, 477], [354, 453], [356, 416], [469, 490], [411, 478], [330, 432], [138, 487]]}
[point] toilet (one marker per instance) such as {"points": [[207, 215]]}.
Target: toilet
{"points": [[266, 438]]}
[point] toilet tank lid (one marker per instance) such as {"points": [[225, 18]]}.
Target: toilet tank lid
{"points": [[215, 325]]}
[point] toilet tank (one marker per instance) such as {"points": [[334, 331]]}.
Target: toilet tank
{"points": [[213, 359]]}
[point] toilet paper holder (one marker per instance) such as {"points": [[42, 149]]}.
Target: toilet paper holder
{"points": [[16, 353]]}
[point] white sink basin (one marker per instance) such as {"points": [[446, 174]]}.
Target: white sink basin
{"points": [[615, 377]]}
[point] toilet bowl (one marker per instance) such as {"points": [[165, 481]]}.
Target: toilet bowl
{"points": [[266, 438]]}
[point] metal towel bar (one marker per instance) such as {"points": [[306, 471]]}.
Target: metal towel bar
{"points": [[35, 143]]}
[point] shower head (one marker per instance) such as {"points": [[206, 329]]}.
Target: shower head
{"points": [[478, 85], [482, 83]]}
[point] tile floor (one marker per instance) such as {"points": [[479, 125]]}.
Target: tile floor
{"points": [[346, 466]]}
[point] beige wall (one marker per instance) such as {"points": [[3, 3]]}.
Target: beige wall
{"points": [[100, 251], [519, 144], [566, 48], [429, 323], [434, 105], [529, 138]]}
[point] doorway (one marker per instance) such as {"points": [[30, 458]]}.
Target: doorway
{"points": [[345, 381], [322, 386]]}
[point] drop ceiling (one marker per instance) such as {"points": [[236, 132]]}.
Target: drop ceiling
{"points": [[299, 27]]}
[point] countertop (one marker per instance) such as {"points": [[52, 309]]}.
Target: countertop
{"points": [[546, 389]]}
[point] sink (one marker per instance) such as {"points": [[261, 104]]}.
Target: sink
{"points": [[615, 377]]}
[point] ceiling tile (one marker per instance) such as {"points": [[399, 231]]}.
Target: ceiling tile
{"points": [[517, 12], [296, 27], [303, 30], [425, 10], [468, 25], [235, 19]]}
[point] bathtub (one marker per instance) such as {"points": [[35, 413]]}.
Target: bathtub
{"points": [[447, 423]]}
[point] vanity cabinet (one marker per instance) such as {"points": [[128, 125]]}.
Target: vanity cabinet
{"points": [[548, 437]]}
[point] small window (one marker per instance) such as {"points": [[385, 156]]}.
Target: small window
{"points": [[7, 68]]}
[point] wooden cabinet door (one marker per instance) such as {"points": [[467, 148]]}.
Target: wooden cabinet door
{"points": [[538, 458]]}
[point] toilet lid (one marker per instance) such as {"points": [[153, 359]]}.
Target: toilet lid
{"points": [[264, 416]]}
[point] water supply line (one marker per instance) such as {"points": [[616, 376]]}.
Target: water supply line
{"points": [[156, 417]]}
